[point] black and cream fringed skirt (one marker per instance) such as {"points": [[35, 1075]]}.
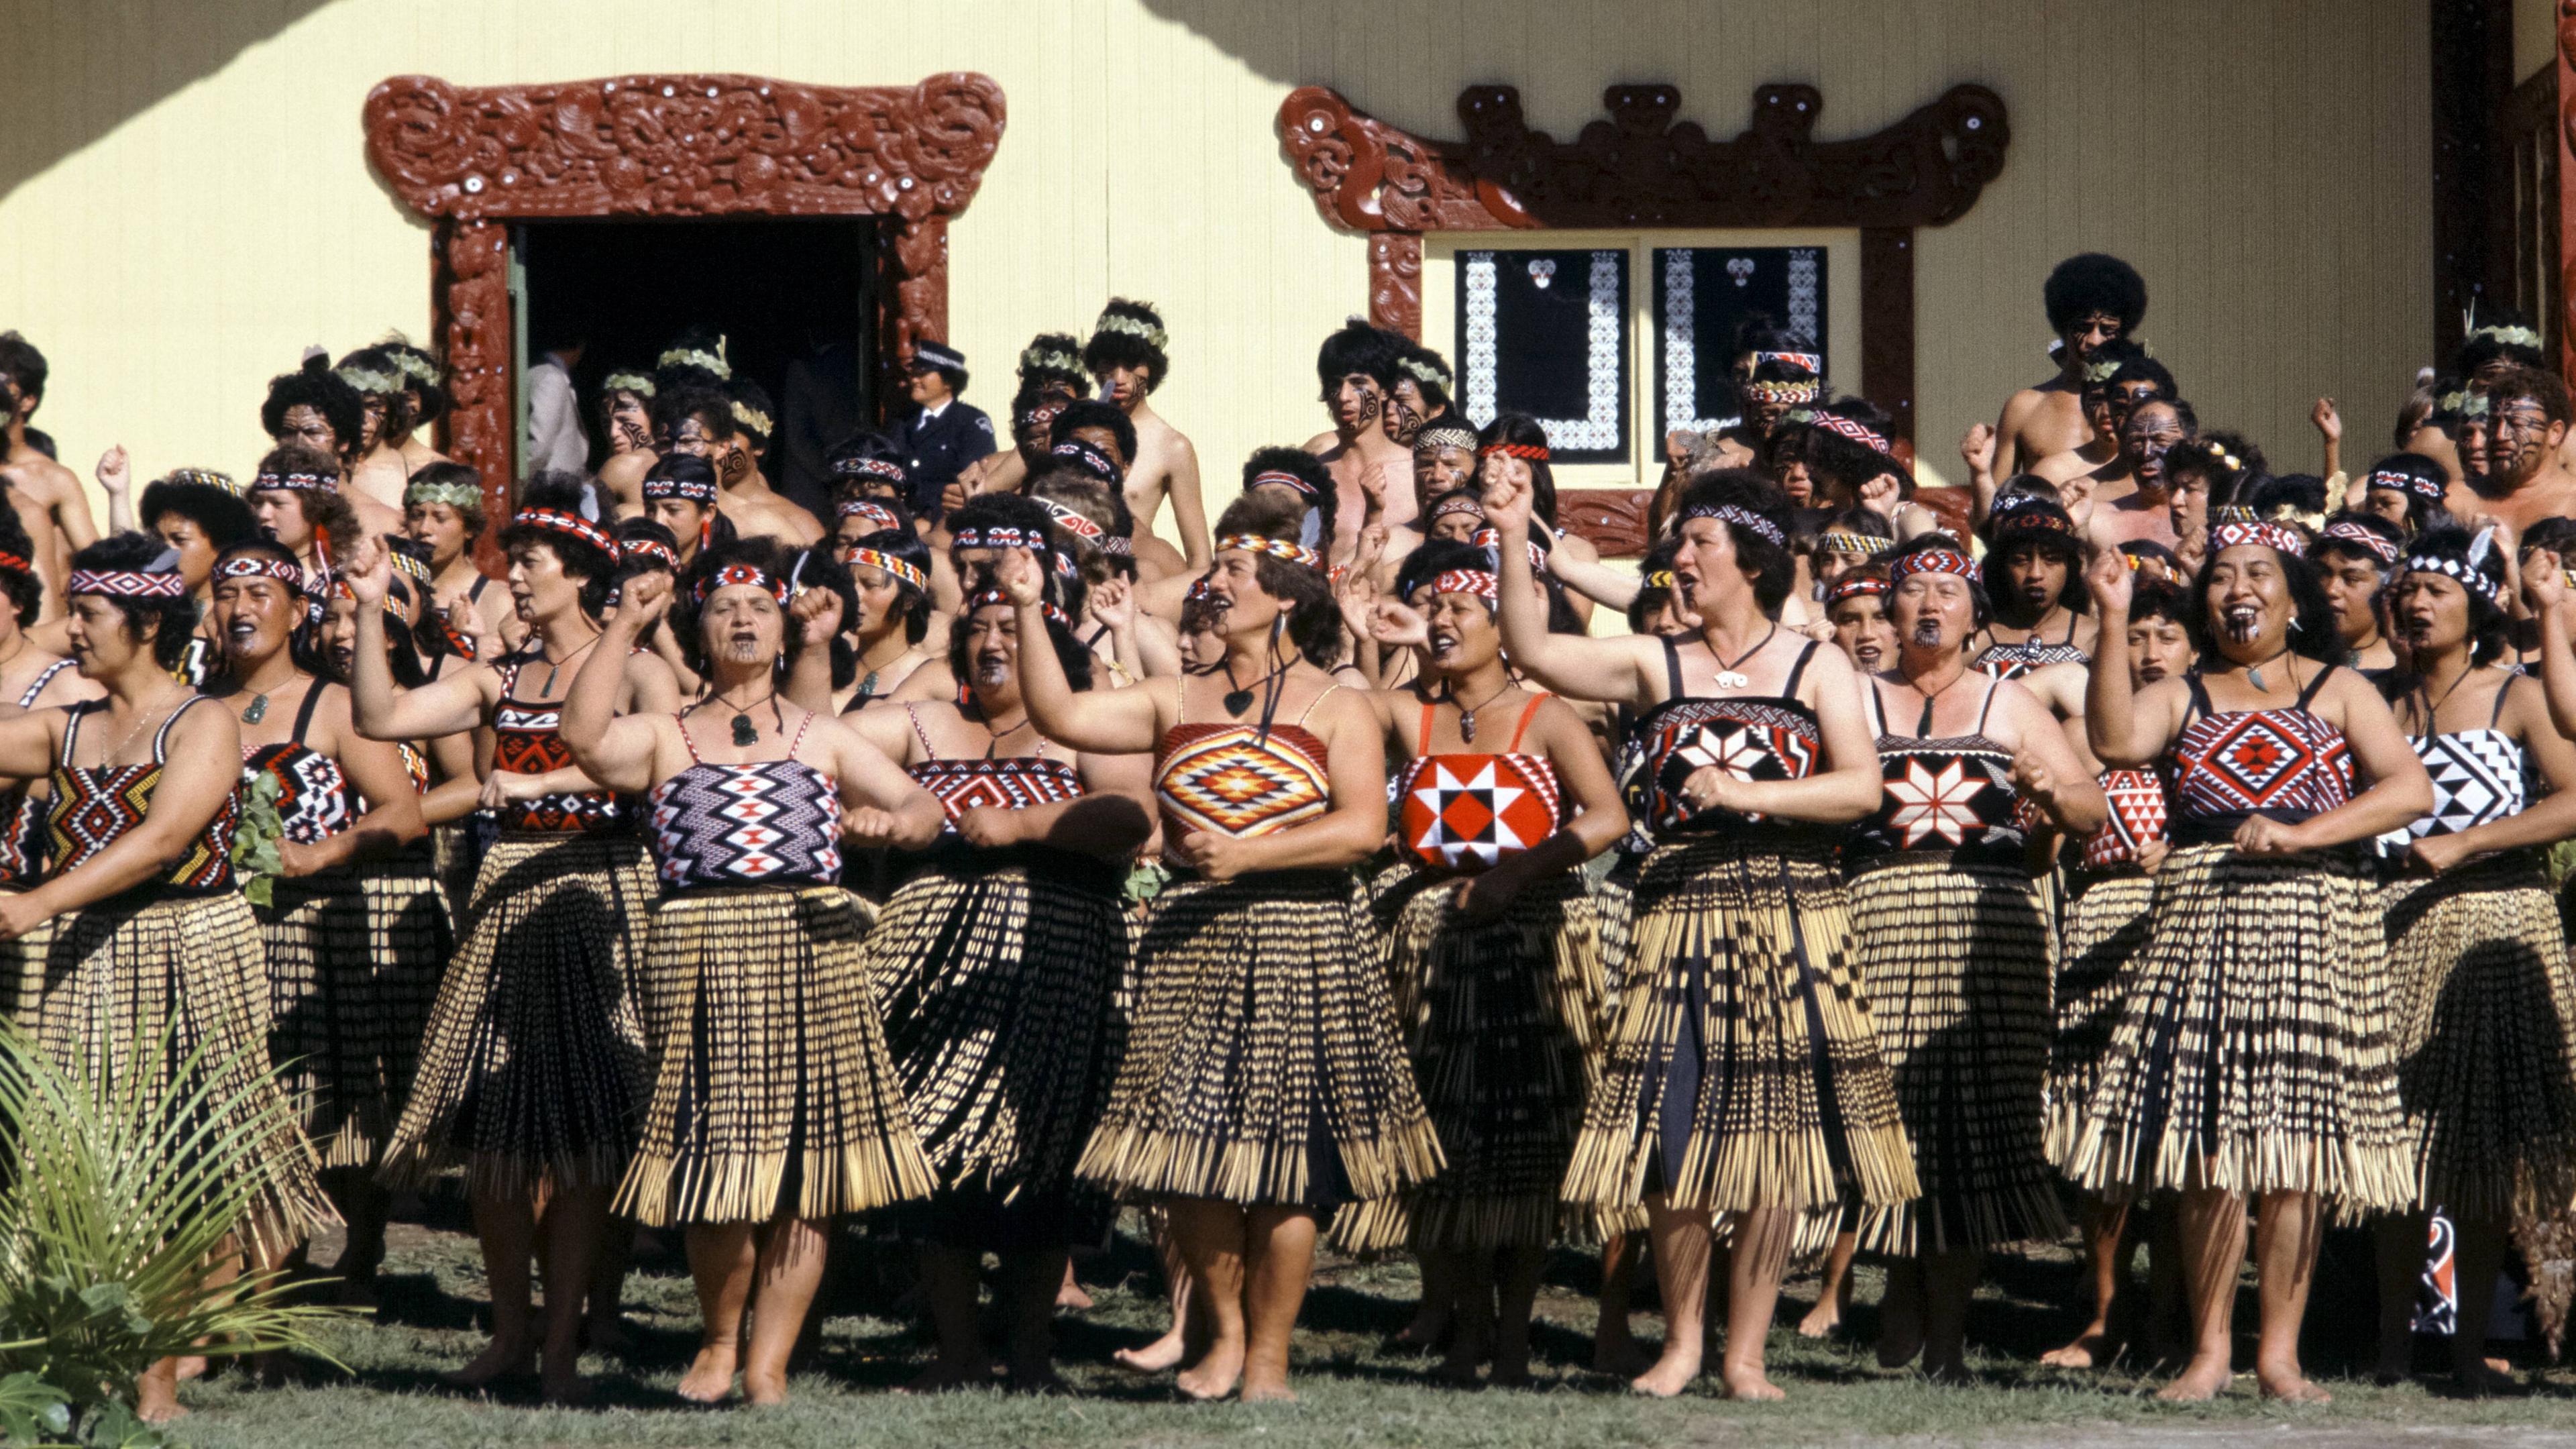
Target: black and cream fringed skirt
{"points": [[1264, 1065], [22, 967], [120, 975], [1957, 954], [353, 963], [997, 978], [2106, 917], [1742, 1069], [534, 1067], [1504, 1020], [2253, 1051], [2486, 1061], [773, 1092]]}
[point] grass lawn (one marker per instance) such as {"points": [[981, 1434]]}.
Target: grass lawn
{"points": [[1354, 1390]]}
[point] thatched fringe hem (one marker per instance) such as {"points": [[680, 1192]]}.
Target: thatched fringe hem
{"points": [[2368, 1179], [2107, 915], [1256, 1172], [1779, 1169], [661, 1190]]}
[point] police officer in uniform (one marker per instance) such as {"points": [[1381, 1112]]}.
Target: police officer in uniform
{"points": [[945, 433]]}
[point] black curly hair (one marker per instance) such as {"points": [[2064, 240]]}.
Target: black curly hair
{"points": [[316, 386], [25, 588], [1308, 469], [170, 622], [219, 512], [596, 567], [1314, 618], [1522, 430], [1435, 557], [1070, 653], [327, 511], [1128, 344], [1766, 563], [1981, 604], [2312, 620], [1357, 347], [1091, 412], [2091, 282], [2488, 623]]}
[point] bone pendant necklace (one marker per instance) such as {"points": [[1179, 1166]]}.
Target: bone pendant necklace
{"points": [[1728, 676]]}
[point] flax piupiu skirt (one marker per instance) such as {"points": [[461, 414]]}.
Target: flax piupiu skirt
{"points": [[534, 1067], [2106, 918], [22, 966], [773, 1093], [2486, 1059], [1504, 1021], [997, 972], [353, 965], [179, 982], [1263, 1066], [1957, 953], [2253, 1051], [1742, 1070]]}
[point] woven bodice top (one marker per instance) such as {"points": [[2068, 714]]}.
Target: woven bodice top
{"points": [[1941, 793], [527, 739], [93, 807], [1749, 736], [1466, 811], [771, 822], [2286, 764]]}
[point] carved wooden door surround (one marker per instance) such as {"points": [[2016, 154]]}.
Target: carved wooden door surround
{"points": [[1639, 169], [472, 159]]}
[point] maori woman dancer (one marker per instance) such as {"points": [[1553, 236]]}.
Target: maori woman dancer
{"points": [[31, 677], [996, 962], [2109, 892], [533, 1071], [348, 1002], [1743, 1077], [1263, 1083], [2253, 1053], [775, 1108], [1955, 945], [151, 938], [2485, 1012], [1497, 955]]}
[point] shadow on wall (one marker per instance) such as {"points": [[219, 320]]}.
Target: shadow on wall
{"points": [[86, 68]]}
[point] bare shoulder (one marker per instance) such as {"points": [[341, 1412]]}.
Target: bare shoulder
{"points": [[2018, 408], [1322, 443]]}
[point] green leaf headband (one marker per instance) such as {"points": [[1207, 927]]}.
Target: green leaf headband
{"points": [[1155, 337], [454, 495], [634, 382], [369, 380], [691, 357]]}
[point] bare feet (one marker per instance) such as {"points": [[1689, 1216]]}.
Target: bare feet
{"points": [[156, 1393], [499, 1359], [710, 1375], [2200, 1381], [1069, 1294], [1164, 1352], [1749, 1383], [2093, 1348], [1214, 1376], [2484, 1378], [1267, 1391], [1822, 1319], [1467, 1346], [193, 1366], [761, 1387], [2290, 1387], [1671, 1374], [563, 1383]]}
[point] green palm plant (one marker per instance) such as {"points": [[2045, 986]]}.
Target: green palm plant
{"points": [[129, 1191]]}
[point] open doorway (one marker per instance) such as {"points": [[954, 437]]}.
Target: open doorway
{"points": [[796, 300]]}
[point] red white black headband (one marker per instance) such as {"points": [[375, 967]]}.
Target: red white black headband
{"points": [[1534, 452], [876, 513], [1812, 362], [743, 575], [654, 549], [1934, 561], [1491, 541], [700, 491], [1284, 479], [899, 568], [886, 468], [1855, 586], [2344, 530], [2414, 484], [558, 521], [2269, 535], [1071, 521], [129, 583], [261, 566], [990, 597], [1844, 427], [1280, 548], [1084, 458], [1470, 581], [298, 482]]}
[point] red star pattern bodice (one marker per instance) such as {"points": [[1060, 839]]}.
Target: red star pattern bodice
{"points": [[2287, 764], [1013, 783], [1465, 811]]}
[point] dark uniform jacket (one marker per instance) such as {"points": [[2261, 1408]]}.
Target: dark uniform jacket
{"points": [[941, 447]]}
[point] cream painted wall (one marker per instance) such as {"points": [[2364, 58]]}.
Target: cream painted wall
{"points": [[2535, 36], [184, 201]]}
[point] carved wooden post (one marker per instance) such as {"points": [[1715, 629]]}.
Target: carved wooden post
{"points": [[2566, 129], [1395, 282]]}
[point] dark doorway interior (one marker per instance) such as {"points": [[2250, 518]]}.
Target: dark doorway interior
{"points": [[794, 298]]}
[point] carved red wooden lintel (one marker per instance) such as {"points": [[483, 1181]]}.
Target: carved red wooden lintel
{"points": [[1639, 167], [473, 158]]}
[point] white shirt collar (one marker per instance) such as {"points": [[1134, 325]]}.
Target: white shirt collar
{"points": [[927, 413]]}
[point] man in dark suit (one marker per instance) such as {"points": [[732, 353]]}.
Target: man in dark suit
{"points": [[945, 433]]}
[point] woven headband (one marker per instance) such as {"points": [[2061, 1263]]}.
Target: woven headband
{"points": [[1444, 435], [1155, 337], [2396, 480], [11, 563], [876, 513], [1855, 586], [1792, 393], [732, 575], [1860, 543], [1281, 548], [1810, 361], [629, 550], [900, 569], [2032, 518], [454, 495], [1073, 522], [129, 584], [2269, 535], [2344, 530], [2491, 590], [1118, 544], [261, 566], [1004, 536], [1841, 426], [1470, 581], [990, 597], [1534, 452], [1731, 513], [558, 521], [1934, 561], [1284, 479], [634, 382], [204, 477], [700, 491], [1089, 459], [1462, 503], [300, 482], [886, 468]]}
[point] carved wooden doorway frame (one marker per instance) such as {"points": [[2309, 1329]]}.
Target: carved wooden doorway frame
{"points": [[474, 159], [1639, 169]]}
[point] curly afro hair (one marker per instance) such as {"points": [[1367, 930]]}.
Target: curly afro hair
{"points": [[1129, 334], [2091, 282]]}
